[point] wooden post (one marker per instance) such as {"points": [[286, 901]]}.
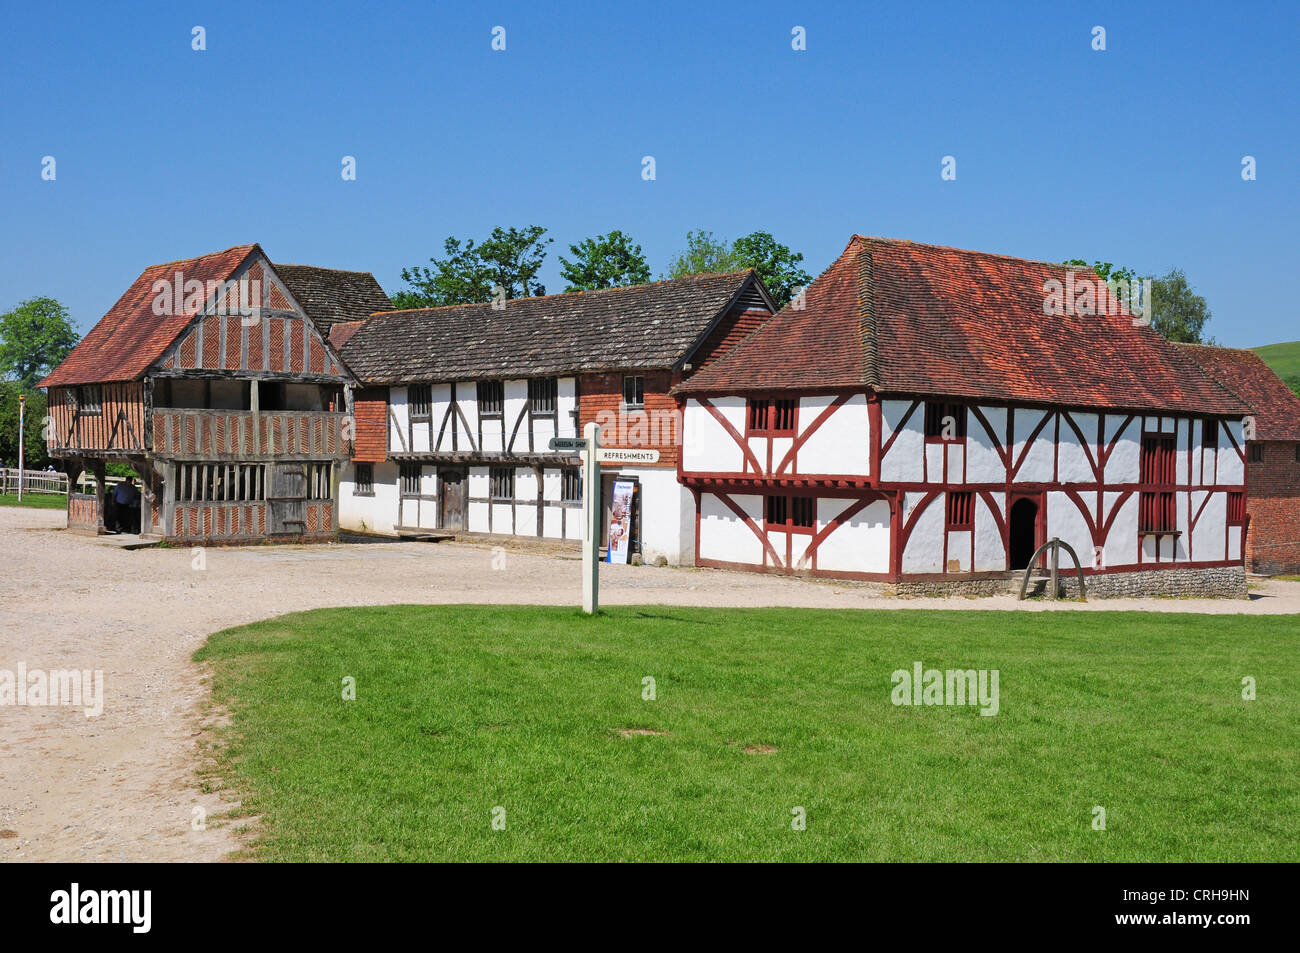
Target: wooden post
{"points": [[101, 498], [591, 513], [1055, 563]]}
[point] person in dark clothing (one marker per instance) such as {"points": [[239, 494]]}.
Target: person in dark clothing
{"points": [[126, 506]]}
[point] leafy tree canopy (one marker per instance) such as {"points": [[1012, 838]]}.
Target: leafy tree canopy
{"points": [[775, 263], [34, 338], [35, 456], [509, 258], [1177, 312], [606, 261]]}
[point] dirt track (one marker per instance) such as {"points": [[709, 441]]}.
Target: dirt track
{"points": [[122, 786]]}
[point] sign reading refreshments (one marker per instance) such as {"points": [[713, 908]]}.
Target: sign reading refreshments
{"points": [[607, 455]]}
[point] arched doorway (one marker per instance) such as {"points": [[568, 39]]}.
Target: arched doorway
{"points": [[1022, 532]]}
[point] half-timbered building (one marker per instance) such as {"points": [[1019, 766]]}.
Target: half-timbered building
{"points": [[212, 381], [920, 418], [457, 407], [1272, 455]]}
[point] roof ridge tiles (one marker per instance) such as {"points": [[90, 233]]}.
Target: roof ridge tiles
{"points": [[577, 294]]}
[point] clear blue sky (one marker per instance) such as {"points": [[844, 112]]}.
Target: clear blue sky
{"points": [[1132, 155]]}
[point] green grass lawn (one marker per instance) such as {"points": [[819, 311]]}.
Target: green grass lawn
{"points": [[463, 709], [42, 501], [1284, 359]]}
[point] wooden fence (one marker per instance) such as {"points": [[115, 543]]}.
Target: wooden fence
{"points": [[34, 481]]}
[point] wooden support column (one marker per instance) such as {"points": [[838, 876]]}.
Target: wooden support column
{"points": [[97, 468]]}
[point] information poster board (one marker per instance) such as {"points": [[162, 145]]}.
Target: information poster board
{"points": [[620, 522]]}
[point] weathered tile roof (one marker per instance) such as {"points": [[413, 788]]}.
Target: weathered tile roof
{"points": [[641, 326], [906, 318], [331, 295], [130, 337], [1275, 408]]}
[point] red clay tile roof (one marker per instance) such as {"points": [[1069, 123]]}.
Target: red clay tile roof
{"points": [[127, 340], [907, 318], [1275, 408]]}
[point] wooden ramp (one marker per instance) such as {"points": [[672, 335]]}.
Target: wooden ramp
{"points": [[412, 533]]}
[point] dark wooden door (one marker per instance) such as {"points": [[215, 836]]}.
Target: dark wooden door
{"points": [[286, 498], [451, 497]]}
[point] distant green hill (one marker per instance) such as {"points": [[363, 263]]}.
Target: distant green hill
{"points": [[1283, 358]]}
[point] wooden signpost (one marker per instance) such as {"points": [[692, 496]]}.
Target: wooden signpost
{"points": [[589, 450]]}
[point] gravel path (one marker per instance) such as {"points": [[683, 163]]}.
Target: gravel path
{"points": [[122, 786]]}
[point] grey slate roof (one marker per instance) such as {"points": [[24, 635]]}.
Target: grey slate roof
{"points": [[330, 295], [649, 326]]}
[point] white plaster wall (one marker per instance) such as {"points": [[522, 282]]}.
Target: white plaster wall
{"points": [[667, 515], [467, 401], [1234, 542], [502, 519], [959, 543], [859, 545], [476, 519], [706, 446], [552, 522], [1183, 522], [983, 464], [842, 444], [1208, 539], [1120, 547], [566, 403], [903, 462], [1123, 465], [397, 417], [780, 447], [1183, 445], [1066, 522], [956, 462], [1232, 471], [1039, 462], [934, 462], [924, 551], [723, 536], [990, 554], [440, 402], [369, 514], [1072, 460], [526, 485]]}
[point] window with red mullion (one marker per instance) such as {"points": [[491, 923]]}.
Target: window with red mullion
{"points": [[770, 418], [1158, 470], [790, 514], [1236, 507], [961, 510]]}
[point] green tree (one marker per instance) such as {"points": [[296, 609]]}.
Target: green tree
{"points": [[775, 263], [704, 254], [606, 261], [35, 457], [1105, 270], [1177, 312], [1293, 382], [509, 258], [34, 338]]}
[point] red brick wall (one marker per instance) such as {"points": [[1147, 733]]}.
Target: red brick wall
{"points": [[658, 427], [370, 408], [1273, 506]]}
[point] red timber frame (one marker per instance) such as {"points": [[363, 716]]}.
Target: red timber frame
{"points": [[860, 490]]}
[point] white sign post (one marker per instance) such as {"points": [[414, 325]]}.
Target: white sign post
{"points": [[591, 519], [22, 407]]}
